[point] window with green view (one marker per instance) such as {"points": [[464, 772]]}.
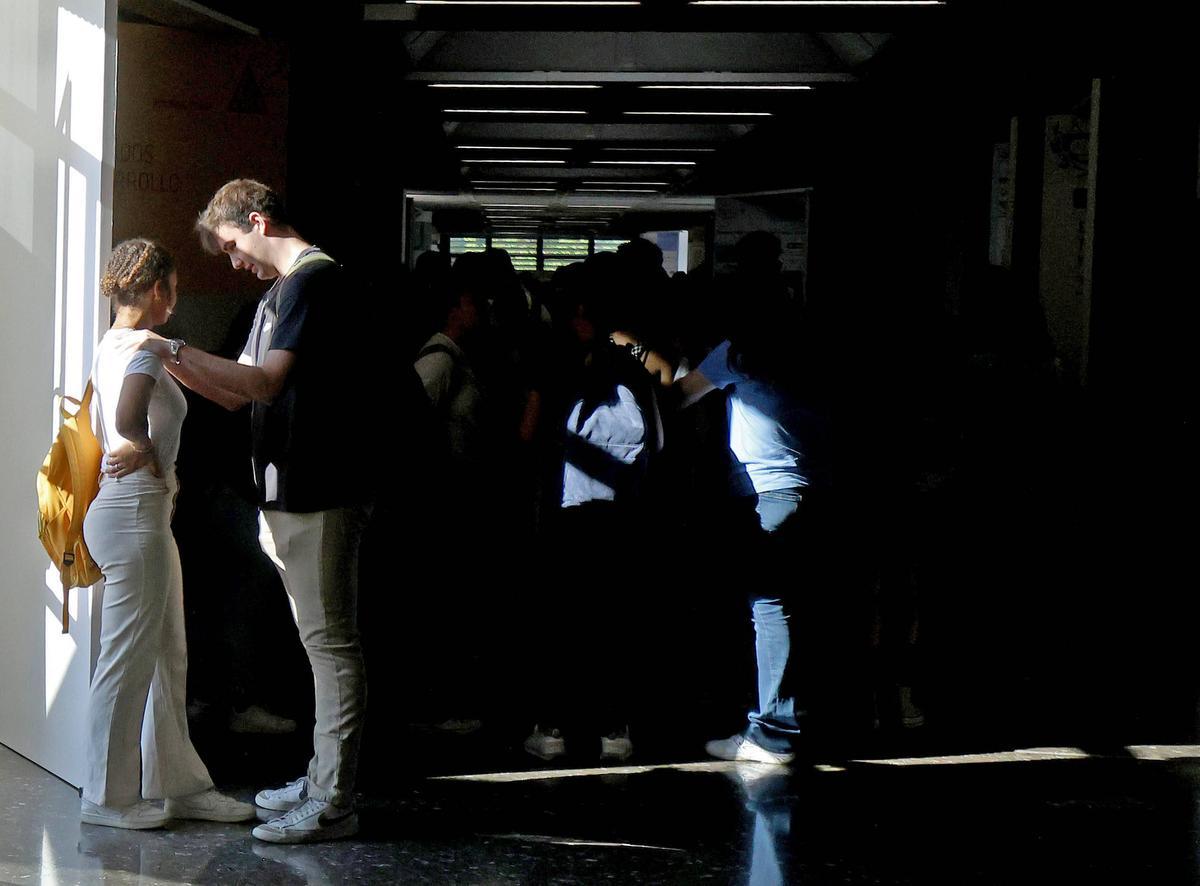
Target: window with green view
{"points": [[522, 251], [459, 245]]}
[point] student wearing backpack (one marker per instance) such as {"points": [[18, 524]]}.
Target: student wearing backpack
{"points": [[138, 747], [309, 385], [459, 511]]}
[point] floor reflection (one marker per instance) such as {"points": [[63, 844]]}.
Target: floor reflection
{"points": [[1068, 819], [769, 799]]}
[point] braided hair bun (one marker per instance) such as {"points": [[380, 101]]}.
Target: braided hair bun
{"points": [[133, 268]]}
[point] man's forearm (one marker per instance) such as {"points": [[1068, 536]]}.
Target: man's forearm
{"points": [[205, 389], [215, 377]]}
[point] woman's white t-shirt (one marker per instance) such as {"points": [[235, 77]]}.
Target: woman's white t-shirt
{"points": [[117, 357]]}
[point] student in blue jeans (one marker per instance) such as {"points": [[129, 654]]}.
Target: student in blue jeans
{"points": [[783, 445]]}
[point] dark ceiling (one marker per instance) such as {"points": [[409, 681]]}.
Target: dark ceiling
{"points": [[644, 107]]}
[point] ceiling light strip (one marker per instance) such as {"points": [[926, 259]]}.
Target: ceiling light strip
{"points": [[697, 113], [727, 86], [509, 148], [514, 86], [680, 150], [510, 111], [583, 3], [528, 161], [829, 3]]}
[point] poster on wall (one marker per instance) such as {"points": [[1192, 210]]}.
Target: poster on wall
{"points": [[219, 110], [782, 213], [1000, 230], [1063, 255]]}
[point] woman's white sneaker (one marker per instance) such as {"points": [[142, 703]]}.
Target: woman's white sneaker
{"points": [[616, 746], [546, 745], [138, 817], [209, 805], [312, 821]]}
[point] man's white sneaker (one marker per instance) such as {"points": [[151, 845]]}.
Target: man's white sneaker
{"points": [[209, 806], [738, 747], [311, 822], [283, 799], [546, 745], [138, 817], [616, 746]]}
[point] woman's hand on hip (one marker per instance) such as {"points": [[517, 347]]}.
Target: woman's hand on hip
{"points": [[125, 459]]}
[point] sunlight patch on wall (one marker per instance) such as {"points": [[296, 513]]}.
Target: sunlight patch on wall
{"points": [[79, 100]]}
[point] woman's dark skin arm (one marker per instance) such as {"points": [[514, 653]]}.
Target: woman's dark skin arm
{"points": [[133, 425]]}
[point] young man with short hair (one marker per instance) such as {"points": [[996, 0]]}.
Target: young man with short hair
{"points": [[300, 375]]}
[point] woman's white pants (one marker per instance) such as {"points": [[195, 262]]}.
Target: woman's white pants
{"points": [[138, 744]]}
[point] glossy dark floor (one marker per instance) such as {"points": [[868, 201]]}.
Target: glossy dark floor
{"points": [[1049, 815]]}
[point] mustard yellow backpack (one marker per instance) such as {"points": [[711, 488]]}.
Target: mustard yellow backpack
{"points": [[66, 486]]}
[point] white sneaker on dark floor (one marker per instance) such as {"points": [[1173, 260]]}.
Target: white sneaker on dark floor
{"points": [[546, 745], [738, 747], [140, 816], [616, 746], [313, 821], [210, 805], [283, 799]]}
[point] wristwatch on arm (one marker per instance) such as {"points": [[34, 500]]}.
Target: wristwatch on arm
{"points": [[176, 345]]}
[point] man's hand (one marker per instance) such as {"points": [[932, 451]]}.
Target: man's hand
{"points": [[125, 459], [155, 344]]}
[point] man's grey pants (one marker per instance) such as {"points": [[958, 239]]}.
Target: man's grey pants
{"points": [[317, 558]]}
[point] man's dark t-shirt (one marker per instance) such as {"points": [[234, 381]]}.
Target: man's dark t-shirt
{"points": [[302, 439]]}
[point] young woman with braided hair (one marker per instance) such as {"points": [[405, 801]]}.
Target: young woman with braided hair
{"points": [[138, 747]]}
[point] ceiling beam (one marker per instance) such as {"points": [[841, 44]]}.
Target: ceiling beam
{"points": [[674, 15], [185, 15], [696, 78], [420, 43]]}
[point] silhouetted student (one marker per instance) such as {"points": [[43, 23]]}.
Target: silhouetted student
{"points": [[612, 431], [454, 518], [780, 435]]}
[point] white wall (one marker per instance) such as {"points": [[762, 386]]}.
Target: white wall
{"points": [[57, 124]]}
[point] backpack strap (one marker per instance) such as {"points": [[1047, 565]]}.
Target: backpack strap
{"points": [[311, 258], [436, 348]]}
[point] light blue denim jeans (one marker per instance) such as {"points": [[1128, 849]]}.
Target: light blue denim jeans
{"points": [[775, 724]]}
